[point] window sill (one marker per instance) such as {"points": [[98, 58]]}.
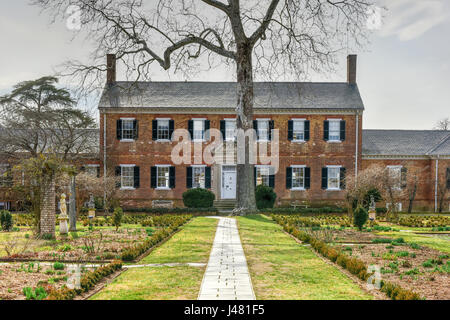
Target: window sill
{"points": [[334, 141], [127, 188], [298, 141], [298, 189], [199, 140], [333, 189], [163, 140], [127, 140], [163, 188]]}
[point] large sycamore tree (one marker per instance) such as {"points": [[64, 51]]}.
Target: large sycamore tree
{"points": [[269, 38]]}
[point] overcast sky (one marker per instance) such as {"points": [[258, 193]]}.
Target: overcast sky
{"points": [[403, 75]]}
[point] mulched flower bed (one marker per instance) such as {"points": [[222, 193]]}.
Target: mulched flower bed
{"points": [[97, 245], [14, 277], [423, 270]]}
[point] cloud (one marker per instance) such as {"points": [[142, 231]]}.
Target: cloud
{"points": [[410, 19]]}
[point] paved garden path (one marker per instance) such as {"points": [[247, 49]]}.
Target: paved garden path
{"points": [[226, 276]]}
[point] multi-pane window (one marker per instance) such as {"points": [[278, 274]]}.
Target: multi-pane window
{"points": [[92, 170], [127, 176], [230, 130], [199, 129], [334, 130], [334, 178], [162, 176], [128, 129], [262, 175], [163, 129], [263, 130], [298, 130], [298, 177], [198, 177], [395, 175], [5, 178]]}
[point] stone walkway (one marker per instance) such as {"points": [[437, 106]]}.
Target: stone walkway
{"points": [[226, 276]]}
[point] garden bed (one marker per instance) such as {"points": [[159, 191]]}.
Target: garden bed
{"points": [[423, 270]]}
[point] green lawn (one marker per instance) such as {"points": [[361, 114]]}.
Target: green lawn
{"points": [[192, 244], [282, 269]]}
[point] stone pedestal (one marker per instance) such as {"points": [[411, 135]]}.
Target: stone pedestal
{"points": [[91, 213], [372, 215]]}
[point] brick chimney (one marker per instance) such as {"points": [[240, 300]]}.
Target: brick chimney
{"points": [[351, 68], [110, 68]]}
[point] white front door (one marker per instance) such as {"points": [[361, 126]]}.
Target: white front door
{"points": [[228, 182]]}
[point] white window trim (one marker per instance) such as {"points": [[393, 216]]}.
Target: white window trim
{"points": [[198, 166], [162, 119], [328, 176], [128, 166], [230, 119], [268, 128], [334, 141], [157, 172], [299, 188], [204, 131], [299, 119], [126, 140]]}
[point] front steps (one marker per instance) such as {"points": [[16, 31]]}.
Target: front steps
{"points": [[225, 205]]}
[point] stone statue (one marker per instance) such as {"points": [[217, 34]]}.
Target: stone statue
{"points": [[372, 211], [63, 217], [91, 206], [372, 203]]}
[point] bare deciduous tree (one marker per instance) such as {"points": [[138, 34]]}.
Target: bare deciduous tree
{"points": [[270, 38], [443, 124]]}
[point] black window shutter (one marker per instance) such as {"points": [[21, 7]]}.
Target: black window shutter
{"points": [[342, 179], [118, 173], [136, 177], [155, 130], [189, 177], [171, 128], [307, 178], [272, 181], [255, 127], [448, 178], [290, 130], [403, 177], [288, 178], [271, 127], [342, 130], [222, 128], [191, 128], [207, 127], [172, 177], [326, 130], [325, 178], [98, 172], [153, 177], [119, 129], [135, 129], [208, 177], [306, 130]]}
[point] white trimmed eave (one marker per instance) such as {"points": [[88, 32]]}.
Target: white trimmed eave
{"points": [[203, 110], [402, 157]]}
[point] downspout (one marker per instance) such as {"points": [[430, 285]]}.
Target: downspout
{"points": [[436, 184], [104, 157], [357, 147]]}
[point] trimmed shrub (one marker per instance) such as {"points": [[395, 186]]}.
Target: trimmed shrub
{"points": [[198, 198], [265, 197], [6, 220], [360, 217], [117, 217]]}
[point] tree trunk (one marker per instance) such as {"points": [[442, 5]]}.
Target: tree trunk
{"points": [[245, 199], [411, 198], [72, 205]]}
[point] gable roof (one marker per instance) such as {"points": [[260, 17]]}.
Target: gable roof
{"points": [[406, 142], [222, 95]]}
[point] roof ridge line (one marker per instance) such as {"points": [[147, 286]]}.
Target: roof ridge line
{"points": [[439, 144]]}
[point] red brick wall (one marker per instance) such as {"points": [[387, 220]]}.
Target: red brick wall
{"points": [[316, 153]]}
